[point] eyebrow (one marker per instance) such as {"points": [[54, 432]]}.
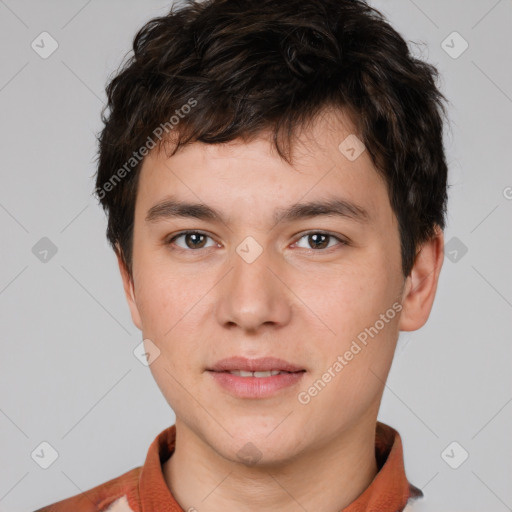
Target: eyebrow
{"points": [[171, 208]]}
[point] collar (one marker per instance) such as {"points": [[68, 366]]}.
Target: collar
{"points": [[389, 491]]}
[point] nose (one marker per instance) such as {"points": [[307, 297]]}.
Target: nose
{"points": [[254, 294]]}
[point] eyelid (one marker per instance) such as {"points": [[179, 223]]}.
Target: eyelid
{"points": [[339, 236]]}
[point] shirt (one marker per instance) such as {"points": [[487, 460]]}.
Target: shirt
{"points": [[143, 489]]}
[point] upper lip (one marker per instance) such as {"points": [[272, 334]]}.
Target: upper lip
{"points": [[262, 364]]}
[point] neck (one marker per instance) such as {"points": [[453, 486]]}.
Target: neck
{"points": [[328, 478]]}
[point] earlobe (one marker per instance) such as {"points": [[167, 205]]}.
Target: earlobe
{"points": [[129, 291], [421, 285]]}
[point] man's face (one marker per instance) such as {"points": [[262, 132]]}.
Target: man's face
{"points": [[302, 290]]}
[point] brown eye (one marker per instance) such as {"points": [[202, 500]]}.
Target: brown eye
{"points": [[192, 239], [318, 240]]}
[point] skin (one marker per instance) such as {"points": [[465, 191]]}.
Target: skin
{"points": [[295, 301]]}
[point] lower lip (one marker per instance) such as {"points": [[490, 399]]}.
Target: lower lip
{"points": [[255, 387]]}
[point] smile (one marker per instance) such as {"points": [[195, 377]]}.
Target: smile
{"points": [[242, 373]]}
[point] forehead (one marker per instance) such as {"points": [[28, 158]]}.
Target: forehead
{"points": [[229, 177]]}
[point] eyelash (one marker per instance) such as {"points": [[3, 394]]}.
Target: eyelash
{"points": [[342, 241]]}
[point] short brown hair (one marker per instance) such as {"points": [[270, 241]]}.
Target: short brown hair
{"points": [[244, 66]]}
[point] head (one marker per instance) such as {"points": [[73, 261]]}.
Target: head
{"points": [[307, 143]]}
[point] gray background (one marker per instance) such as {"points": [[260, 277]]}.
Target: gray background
{"points": [[68, 375]]}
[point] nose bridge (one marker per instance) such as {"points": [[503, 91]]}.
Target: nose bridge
{"points": [[251, 295]]}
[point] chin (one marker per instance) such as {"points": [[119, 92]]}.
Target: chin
{"points": [[258, 445]]}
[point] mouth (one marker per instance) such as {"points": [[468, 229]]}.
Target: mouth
{"points": [[255, 378]]}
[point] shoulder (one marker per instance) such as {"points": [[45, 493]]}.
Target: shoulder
{"points": [[117, 495]]}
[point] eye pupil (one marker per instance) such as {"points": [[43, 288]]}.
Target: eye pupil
{"points": [[315, 238], [194, 236]]}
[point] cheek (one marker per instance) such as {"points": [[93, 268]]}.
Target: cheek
{"points": [[351, 299], [164, 297], [172, 306], [166, 303], [351, 304]]}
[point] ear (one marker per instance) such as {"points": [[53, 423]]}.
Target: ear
{"points": [[128, 290], [421, 284]]}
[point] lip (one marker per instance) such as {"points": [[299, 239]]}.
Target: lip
{"points": [[262, 364], [255, 387]]}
